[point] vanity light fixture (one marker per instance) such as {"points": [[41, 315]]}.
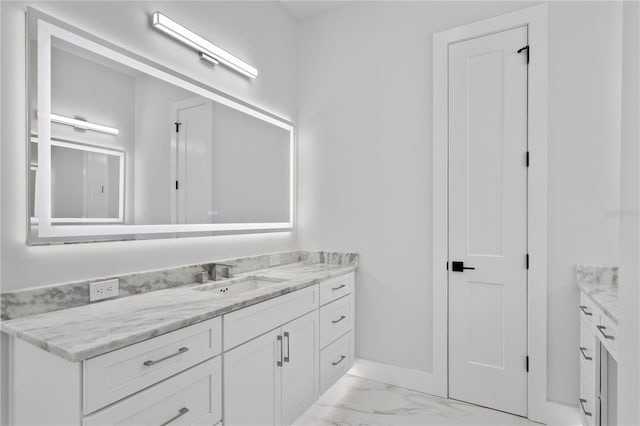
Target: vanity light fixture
{"points": [[208, 51], [82, 124]]}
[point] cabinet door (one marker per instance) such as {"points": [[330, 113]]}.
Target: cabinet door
{"points": [[252, 382], [300, 371]]}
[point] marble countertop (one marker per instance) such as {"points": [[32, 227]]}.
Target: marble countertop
{"points": [[87, 331], [600, 283], [605, 297]]}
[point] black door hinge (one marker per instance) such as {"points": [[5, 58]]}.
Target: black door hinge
{"points": [[177, 126], [527, 158], [447, 266], [527, 363], [527, 260], [526, 50], [177, 185]]}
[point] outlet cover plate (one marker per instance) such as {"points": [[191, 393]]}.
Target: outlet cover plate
{"points": [[274, 260], [100, 290]]}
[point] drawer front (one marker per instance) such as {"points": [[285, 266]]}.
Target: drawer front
{"points": [[608, 333], [336, 318], [588, 345], [118, 374], [193, 397], [588, 312], [588, 402], [335, 288], [335, 361], [245, 324]]}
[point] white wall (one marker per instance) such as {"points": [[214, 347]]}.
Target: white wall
{"points": [[629, 351], [365, 155], [261, 33]]}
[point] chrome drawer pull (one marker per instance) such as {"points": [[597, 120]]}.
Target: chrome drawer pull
{"points": [[584, 310], [180, 351], [281, 351], [339, 361], [339, 287], [605, 335], [338, 320], [181, 412], [288, 357], [582, 351], [582, 402]]}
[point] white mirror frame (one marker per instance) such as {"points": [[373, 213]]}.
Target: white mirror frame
{"points": [[48, 226], [98, 150]]}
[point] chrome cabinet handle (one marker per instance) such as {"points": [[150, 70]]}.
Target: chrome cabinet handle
{"points": [[584, 310], [601, 328], [287, 358], [338, 320], [149, 363], [281, 351], [582, 402], [339, 287], [338, 361], [181, 412], [582, 351]]}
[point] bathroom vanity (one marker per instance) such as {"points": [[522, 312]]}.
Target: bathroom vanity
{"points": [[598, 350], [258, 348]]}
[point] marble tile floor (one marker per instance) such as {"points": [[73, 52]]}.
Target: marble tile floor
{"points": [[355, 401]]}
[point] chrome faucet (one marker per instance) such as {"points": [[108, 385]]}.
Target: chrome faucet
{"points": [[220, 271]]}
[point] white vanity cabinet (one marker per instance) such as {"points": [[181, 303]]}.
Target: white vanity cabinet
{"points": [[264, 364], [273, 378], [173, 378], [597, 352]]}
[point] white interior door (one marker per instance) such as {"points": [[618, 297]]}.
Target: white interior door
{"points": [[194, 161], [487, 221]]}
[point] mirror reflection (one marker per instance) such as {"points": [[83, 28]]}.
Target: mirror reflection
{"points": [[148, 152]]}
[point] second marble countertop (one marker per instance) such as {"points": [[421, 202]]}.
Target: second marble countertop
{"points": [[84, 332]]}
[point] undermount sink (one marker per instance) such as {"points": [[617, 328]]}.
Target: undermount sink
{"points": [[238, 286]]}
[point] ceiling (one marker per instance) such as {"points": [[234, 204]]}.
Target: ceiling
{"points": [[303, 9]]}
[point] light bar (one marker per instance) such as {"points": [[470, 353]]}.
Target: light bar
{"points": [[204, 46], [86, 125]]}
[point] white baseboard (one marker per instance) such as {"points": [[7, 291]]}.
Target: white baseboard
{"points": [[420, 381], [558, 414]]}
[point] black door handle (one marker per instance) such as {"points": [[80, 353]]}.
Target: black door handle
{"points": [[459, 266]]}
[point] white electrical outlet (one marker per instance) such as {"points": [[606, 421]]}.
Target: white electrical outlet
{"points": [[104, 289], [274, 260]]}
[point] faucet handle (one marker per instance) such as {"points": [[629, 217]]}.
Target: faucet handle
{"points": [[215, 272]]}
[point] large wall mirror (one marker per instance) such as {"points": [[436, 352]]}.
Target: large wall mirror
{"points": [[123, 148]]}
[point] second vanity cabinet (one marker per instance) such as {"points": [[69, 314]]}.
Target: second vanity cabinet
{"points": [[260, 365], [597, 353]]}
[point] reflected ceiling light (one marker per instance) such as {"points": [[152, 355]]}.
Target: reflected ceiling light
{"points": [[208, 51], [82, 124]]}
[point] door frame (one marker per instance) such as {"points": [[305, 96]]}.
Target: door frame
{"points": [[536, 20]]}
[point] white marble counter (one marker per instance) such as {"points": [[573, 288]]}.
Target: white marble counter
{"points": [[600, 283], [87, 331]]}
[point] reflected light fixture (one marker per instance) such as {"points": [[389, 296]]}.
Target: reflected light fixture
{"points": [[82, 124], [208, 51]]}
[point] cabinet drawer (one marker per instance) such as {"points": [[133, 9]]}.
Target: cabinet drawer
{"points": [[588, 345], [245, 324], [336, 318], [587, 310], [335, 361], [191, 398], [588, 402], [608, 333], [115, 375], [335, 288]]}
